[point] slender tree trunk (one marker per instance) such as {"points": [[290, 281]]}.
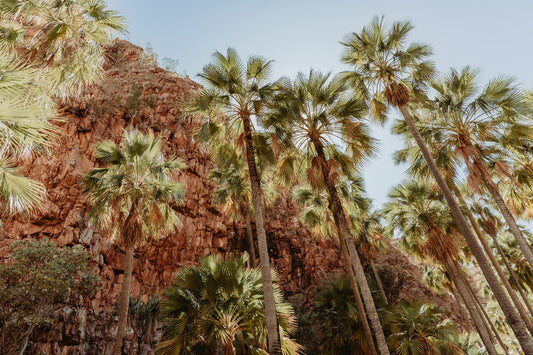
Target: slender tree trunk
{"points": [[250, 237], [274, 342], [481, 236], [124, 298], [512, 274], [477, 318], [26, 339], [462, 308], [378, 281], [486, 319], [340, 219], [508, 310], [502, 206], [358, 300]]}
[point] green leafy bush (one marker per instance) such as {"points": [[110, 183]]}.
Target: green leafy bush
{"points": [[36, 281]]}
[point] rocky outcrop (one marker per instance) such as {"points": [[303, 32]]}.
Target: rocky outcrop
{"points": [[135, 92]]}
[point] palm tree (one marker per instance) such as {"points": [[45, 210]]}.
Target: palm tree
{"points": [[396, 73], [218, 307], [236, 94], [312, 114], [131, 199], [233, 193], [428, 233], [24, 123], [421, 330], [475, 125], [317, 216]]}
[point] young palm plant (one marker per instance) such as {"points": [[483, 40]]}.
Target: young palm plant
{"points": [[341, 320], [394, 73], [131, 198], [235, 94], [315, 114], [217, 307], [420, 329]]}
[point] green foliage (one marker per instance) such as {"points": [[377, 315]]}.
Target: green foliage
{"points": [[62, 38], [37, 280], [412, 327], [134, 101], [219, 306], [419, 328], [339, 319], [47, 49]]}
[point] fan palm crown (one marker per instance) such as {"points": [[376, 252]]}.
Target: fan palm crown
{"points": [[219, 304]]}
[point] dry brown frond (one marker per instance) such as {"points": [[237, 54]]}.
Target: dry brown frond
{"points": [[397, 94]]}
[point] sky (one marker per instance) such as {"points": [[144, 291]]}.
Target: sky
{"points": [[493, 36]]}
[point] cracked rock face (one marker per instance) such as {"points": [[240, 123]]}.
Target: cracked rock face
{"points": [[137, 93]]}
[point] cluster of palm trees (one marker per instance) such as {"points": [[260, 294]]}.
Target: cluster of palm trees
{"points": [[310, 135], [319, 137]]}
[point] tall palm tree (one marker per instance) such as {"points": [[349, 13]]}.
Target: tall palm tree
{"points": [[218, 306], [314, 114], [427, 232], [131, 198], [236, 93], [395, 73], [475, 124]]}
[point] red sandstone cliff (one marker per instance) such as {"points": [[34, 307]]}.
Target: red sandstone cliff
{"points": [[137, 93]]}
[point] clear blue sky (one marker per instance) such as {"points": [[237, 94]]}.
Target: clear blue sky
{"points": [[494, 36]]}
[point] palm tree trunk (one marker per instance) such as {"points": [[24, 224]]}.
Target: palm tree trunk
{"points": [[462, 288], [250, 237], [502, 206], [340, 219], [462, 308], [124, 297], [510, 314], [512, 274], [378, 281], [358, 300], [486, 319], [274, 342], [481, 236]]}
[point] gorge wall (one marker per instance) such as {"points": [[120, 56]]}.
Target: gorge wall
{"points": [[135, 92]]}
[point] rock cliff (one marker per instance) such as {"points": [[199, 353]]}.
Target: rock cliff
{"points": [[135, 92]]}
